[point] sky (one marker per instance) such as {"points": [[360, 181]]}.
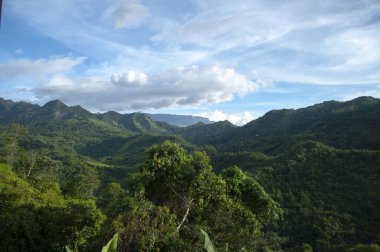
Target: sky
{"points": [[225, 60]]}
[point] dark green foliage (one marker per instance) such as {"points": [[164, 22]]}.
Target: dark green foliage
{"points": [[248, 190], [30, 228], [365, 248], [330, 196]]}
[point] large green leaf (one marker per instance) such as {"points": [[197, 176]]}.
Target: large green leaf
{"points": [[208, 243], [68, 249], [112, 244]]}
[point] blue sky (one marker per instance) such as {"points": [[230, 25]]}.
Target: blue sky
{"points": [[222, 59]]}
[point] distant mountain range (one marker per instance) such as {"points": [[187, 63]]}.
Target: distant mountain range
{"points": [[8, 106], [179, 120], [352, 124]]}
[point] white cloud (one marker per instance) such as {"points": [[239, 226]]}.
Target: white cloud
{"points": [[59, 85], [178, 87], [355, 47], [37, 68], [298, 41], [131, 78], [127, 14], [235, 118]]}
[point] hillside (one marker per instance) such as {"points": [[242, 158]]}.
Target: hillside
{"points": [[320, 163], [351, 125], [63, 129], [330, 196]]}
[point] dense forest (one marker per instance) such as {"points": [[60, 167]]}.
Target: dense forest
{"points": [[292, 180]]}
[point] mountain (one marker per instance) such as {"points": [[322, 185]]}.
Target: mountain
{"points": [[179, 120], [352, 124], [33, 116], [71, 130], [201, 134], [321, 163]]}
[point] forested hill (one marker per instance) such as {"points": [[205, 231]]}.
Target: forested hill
{"points": [[352, 124], [311, 179]]}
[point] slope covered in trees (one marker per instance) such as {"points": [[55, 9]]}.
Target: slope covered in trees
{"points": [[163, 206], [309, 178]]}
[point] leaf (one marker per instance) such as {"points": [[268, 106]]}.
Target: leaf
{"points": [[208, 243], [112, 244], [68, 249]]}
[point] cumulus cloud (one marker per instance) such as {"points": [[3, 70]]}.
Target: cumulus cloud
{"points": [[37, 68], [131, 78], [178, 87], [127, 14], [235, 118]]}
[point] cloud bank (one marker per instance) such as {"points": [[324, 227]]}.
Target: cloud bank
{"points": [[235, 118], [182, 86]]}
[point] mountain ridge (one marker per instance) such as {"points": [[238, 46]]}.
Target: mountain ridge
{"points": [[57, 107]]}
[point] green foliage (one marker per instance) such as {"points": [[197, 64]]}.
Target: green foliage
{"points": [[31, 228], [188, 186], [83, 185], [11, 138], [13, 190], [38, 218], [145, 226], [250, 192]]}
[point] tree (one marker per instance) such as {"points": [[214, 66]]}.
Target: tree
{"points": [[38, 218], [252, 194], [41, 171], [187, 185], [11, 138], [84, 185]]}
